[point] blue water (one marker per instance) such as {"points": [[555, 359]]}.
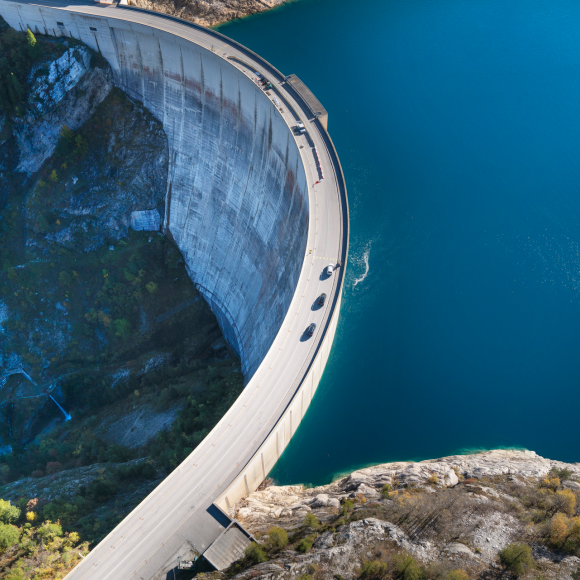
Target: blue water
{"points": [[458, 126]]}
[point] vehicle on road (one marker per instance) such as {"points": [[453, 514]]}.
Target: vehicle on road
{"points": [[330, 269], [310, 330], [322, 299], [299, 128]]}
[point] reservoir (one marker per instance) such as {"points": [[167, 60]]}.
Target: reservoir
{"points": [[458, 127]]}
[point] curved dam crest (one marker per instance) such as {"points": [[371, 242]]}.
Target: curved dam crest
{"points": [[259, 211]]}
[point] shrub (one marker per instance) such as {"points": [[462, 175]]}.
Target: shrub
{"points": [[151, 287], [255, 552], [565, 501], [278, 537], [311, 521], [407, 567], [306, 544], [8, 513], [564, 530], [434, 480], [9, 535], [373, 569], [305, 577], [65, 278], [122, 328], [516, 558], [386, 490], [550, 483], [457, 575], [54, 467], [561, 474]]}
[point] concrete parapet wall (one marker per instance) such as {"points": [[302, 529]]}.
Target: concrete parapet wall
{"points": [[237, 199], [264, 460]]}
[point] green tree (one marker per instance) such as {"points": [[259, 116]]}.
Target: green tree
{"points": [[9, 535], [122, 328], [255, 552], [151, 287], [278, 537], [457, 575], [8, 513], [407, 567], [65, 278], [15, 90], [373, 569], [31, 39], [53, 176], [48, 531], [516, 558]]}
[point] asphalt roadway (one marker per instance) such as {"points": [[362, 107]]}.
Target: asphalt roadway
{"points": [[180, 509]]}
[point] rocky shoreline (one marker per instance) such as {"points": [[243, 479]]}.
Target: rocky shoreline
{"points": [[454, 515]]}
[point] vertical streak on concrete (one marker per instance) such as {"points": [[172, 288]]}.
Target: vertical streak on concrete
{"points": [[238, 200]]}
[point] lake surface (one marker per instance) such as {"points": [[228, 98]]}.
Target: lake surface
{"points": [[458, 126]]}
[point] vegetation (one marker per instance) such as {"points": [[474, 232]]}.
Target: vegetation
{"points": [[19, 52], [277, 538], [516, 558], [256, 553]]}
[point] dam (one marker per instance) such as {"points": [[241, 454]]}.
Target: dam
{"points": [[258, 210]]}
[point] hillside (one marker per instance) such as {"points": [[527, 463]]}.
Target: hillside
{"points": [[498, 514]]}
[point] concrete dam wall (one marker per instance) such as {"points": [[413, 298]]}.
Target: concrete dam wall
{"points": [[259, 212], [237, 199]]}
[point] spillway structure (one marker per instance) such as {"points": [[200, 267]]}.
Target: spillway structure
{"points": [[258, 210]]}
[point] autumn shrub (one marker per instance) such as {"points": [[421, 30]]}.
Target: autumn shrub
{"points": [[516, 558], [277, 537], [552, 483], [564, 532], [565, 501]]}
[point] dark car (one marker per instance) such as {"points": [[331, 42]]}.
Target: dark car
{"points": [[310, 330], [322, 299]]}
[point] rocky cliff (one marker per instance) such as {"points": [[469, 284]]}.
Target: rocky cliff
{"points": [[494, 514], [207, 12]]}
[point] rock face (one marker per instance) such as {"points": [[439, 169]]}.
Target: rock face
{"points": [[64, 92], [123, 172], [210, 12], [260, 506], [452, 513]]}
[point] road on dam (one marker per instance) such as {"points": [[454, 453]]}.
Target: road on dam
{"points": [[183, 510]]}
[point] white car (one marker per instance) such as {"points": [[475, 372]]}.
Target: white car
{"points": [[330, 269]]}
